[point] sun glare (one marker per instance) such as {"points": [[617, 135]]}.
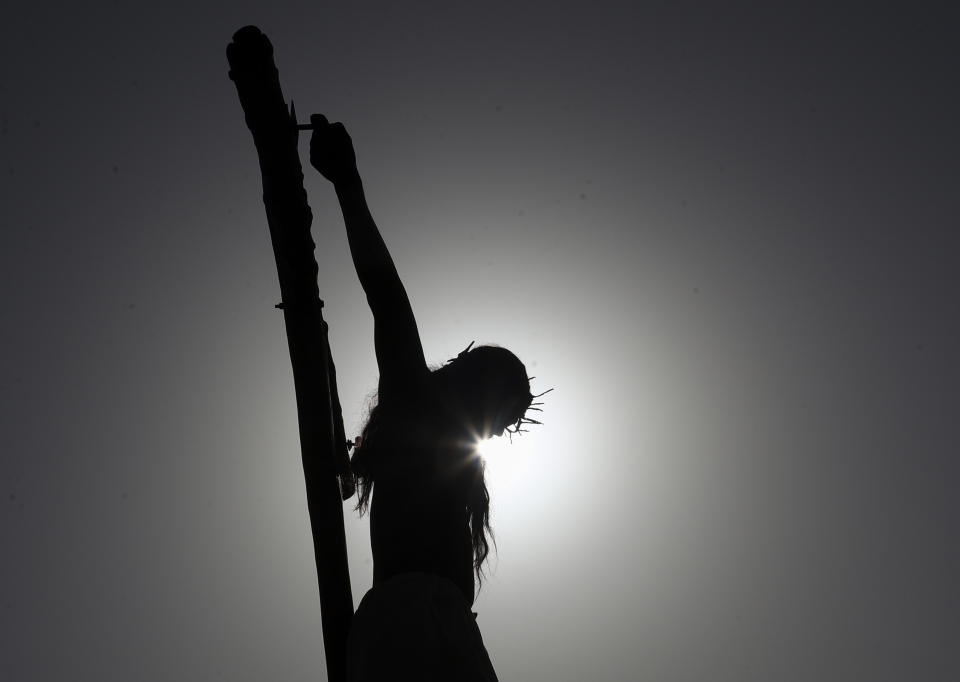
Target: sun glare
{"points": [[505, 461], [493, 448]]}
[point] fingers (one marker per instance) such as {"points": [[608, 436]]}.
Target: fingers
{"points": [[321, 128], [320, 122], [325, 132]]}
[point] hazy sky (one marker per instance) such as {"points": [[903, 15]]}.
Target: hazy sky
{"points": [[727, 236]]}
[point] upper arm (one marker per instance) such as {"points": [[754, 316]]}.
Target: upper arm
{"points": [[397, 341], [395, 335]]}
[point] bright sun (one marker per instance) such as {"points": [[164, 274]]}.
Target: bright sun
{"points": [[505, 461], [494, 448]]}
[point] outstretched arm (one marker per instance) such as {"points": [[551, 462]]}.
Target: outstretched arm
{"points": [[396, 338]]}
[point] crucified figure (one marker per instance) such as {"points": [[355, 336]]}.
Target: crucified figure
{"points": [[416, 465]]}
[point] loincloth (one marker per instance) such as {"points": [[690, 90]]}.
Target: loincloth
{"points": [[416, 626]]}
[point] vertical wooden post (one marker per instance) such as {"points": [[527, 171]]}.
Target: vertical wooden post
{"points": [[323, 447]]}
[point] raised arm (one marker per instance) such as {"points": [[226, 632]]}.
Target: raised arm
{"points": [[396, 338]]}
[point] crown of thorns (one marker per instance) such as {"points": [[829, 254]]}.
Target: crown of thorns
{"points": [[517, 427], [524, 420]]}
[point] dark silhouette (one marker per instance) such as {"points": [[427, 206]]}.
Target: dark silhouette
{"points": [[417, 467], [322, 442]]}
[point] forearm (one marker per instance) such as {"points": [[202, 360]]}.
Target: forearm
{"points": [[396, 339], [372, 260]]}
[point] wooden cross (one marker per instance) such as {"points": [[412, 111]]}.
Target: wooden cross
{"points": [[322, 441]]}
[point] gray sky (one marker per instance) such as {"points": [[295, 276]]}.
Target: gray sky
{"points": [[725, 234]]}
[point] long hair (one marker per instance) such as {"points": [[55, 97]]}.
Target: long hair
{"points": [[474, 394]]}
